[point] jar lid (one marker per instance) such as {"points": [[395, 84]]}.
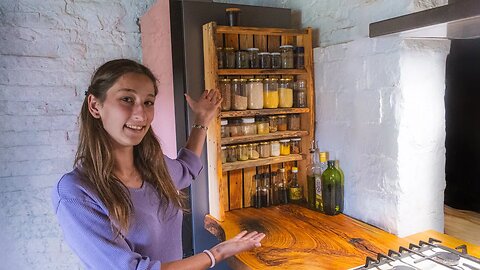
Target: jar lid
{"points": [[234, 121], [281, 170], [296, 139], [236, 80], [223, 122], [263, 53], [223, 147], [275, 53], [264, 143], [253, 144], [274, 142], [271, 79], [233, 10], [252, 49], [242, 80], [242, 145], [248, 120], [229, 48], [285, 80], [255, 80], [286, 46], [225, 80], [282, 116], [219, 48], [272, 117], [285, 140], [295, 169], [232, 146]]}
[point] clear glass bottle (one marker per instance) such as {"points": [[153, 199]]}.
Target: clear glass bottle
{"points": [[220, 57], [264, 149], [295, 194], [342, 184], [226, 93], [282, 123], [285, 93], [300, 57], [242, 152], [273, 123], [241, 59], [229, 57], [224, 129], [232, 154], [295, 146], [281, 187], [261, 198], [270, 93], [255, 94], [323, 158], [239, 94], [286, 54], [248, 126], [331, 189], [253, 60], [224, 154], [285, 147], [263, 126], [265, 60], [276, 60], [274, 148], [314, 181], [300, 94], [293, 122]]}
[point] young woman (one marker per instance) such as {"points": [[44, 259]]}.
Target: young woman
{"points": [[120, 207]]}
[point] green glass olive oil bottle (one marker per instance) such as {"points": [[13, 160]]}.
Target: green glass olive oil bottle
{"points": [[331, 189]]}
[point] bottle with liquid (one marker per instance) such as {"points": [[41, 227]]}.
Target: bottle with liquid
{"points": [[261, 196], [331, 190], [342, 183], [281, 186], [323, 158], [314, 180], [295, 194]]}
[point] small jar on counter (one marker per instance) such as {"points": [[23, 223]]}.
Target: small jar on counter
{"points": [[293, 122], [226, 93], [264, 149], [241, 59], [300, 94], [270, 93], [300, 57], [274, 148], [221, 57], [263, 126], [239, 94], [248, 126], [253, 61], [255, 94], [295, 146], [253, 151], [265, 60], [235, 127], [282, 123], [224, 154], [276, 60], [224, 129], [285, 93], [273, 123], [285, 147], [229, 57], [242, 152], [232, 154], [286, 54]]}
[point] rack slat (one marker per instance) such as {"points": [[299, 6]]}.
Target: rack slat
{"points": [[228, 114], [232, 166]]}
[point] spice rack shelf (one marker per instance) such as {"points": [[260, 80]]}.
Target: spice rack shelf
{"points": [[252, 113], [253, 72], [264, 137], [237, 165], [229, 184]]}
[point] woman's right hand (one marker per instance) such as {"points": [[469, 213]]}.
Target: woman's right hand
{"points": [[241, 242]]}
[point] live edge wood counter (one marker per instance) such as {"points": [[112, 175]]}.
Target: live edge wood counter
{"points": [[299, 238]]}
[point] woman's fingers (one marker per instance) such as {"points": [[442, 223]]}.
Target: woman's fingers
{"points": [[240, 235]]}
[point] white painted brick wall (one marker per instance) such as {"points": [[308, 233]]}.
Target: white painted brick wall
{"points": [[48, 51]]}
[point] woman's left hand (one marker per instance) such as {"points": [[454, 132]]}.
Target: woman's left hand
{"points": [[206, 107]]}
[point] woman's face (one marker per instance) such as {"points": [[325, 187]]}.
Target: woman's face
{"points": [[128, 110]]}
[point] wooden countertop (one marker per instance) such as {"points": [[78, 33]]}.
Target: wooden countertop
{"points": [[299, 238]]}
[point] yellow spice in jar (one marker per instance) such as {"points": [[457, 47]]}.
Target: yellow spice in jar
{"points": [[270, 99], [285, 97]]}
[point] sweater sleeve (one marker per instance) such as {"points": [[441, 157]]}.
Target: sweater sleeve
{"points": [[185, 168], [87, 230]]}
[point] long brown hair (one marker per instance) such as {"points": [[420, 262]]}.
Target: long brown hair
{"points": [[94, 154]]}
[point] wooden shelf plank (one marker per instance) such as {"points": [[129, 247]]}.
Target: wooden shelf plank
{"points": [[259, 162], [264, 137], [245, 113], [259, 31], [255, 71]]}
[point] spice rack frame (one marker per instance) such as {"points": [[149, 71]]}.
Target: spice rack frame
{"points": [[229, 184]]}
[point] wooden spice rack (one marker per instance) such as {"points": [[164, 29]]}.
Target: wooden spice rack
{"points": [[230, 185]]}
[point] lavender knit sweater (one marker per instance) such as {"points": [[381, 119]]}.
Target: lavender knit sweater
{"points": [[152, 239]]}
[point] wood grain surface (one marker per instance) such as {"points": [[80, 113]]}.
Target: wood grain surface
{"points": [[299, 238]]}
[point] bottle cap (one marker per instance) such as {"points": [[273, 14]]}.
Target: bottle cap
{"points": [[248, 120], [294, 169], [223, 122]]}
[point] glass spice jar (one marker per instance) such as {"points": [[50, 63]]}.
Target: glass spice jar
{"points": [[224, 154], [253, 151], [285, 147], [248, 126], [253, 61], [242, 152], [274, 148], [241, 59], [239, 94], [300, 94], [276, 60], [282, 123], [285, 93], [226, 93], [263, 126], [224, 129], [232, 154], [300, 57], [286, 54], [273, 123], [293, 122], [265, 60], [229, 57], [264, 149], [295, 146], [234, 126], [221, 57], [255, 94], [270, 93]]}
